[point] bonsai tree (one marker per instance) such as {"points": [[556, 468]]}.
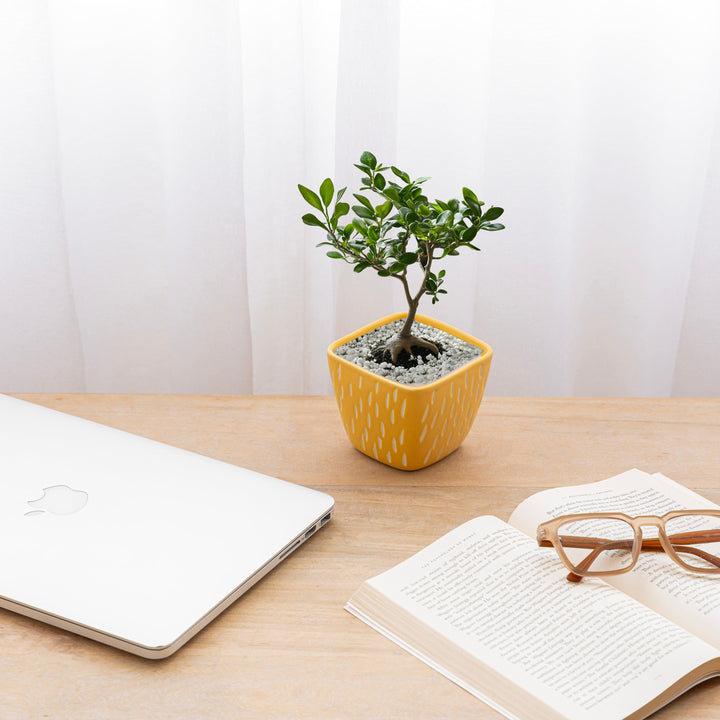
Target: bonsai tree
{"points": [[403, 230]]}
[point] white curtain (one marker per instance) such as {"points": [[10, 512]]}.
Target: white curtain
{"points": [[150, 151]]}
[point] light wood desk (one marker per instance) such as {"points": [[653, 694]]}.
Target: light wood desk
{"points": [[287, 649]]}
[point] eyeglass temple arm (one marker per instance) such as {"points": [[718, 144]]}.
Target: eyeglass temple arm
{"points": [[599, 545]]}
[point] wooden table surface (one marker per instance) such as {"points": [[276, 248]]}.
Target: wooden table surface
{"points": [[287, 649]]}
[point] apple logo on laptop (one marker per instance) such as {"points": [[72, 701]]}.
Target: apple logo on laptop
{"points": [[59, 500]]}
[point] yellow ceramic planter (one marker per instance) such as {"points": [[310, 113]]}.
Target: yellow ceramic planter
{"points": [[408, 426]]}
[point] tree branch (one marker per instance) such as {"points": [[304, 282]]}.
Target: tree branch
{"points": [[429, 247]]}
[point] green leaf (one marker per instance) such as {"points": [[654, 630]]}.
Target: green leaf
{"points": [[380, 182], [310, 219], [364, 168], [363, 200], [444, 217], [474, 207], [399, 173], [393, 194], [468, 194], [340, 193], [408, 258], [383, 273], [363, 212], [341, 208], [310, 197], [492, 226], [327, 190], [469, 234], [367, 158], [360, 226], [382, 210], [361, 266], [410, 216], [492, 214], [334, 254], [421, 180], [396, 267]]}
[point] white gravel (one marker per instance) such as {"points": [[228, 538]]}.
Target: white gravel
{"points": [[455, 353]]}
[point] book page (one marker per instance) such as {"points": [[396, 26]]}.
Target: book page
{"points": [[586, 650], [689, 599]]}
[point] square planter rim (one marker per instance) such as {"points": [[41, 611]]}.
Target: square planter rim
{"points": [[484, 357]]}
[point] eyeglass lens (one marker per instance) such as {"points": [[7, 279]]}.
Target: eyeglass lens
{"points": [[696, 539], [597, 544]]}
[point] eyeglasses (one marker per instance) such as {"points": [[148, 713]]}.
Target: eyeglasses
{"points": [[597, 544]]}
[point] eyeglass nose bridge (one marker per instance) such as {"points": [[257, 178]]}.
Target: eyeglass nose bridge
{"points": [[654, 520], [643, 521], [652, 543]]}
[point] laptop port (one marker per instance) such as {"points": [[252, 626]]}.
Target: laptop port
{"points": [[288, 550]]}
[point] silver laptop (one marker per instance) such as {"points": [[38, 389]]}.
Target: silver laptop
{"points": [[129, 541]]}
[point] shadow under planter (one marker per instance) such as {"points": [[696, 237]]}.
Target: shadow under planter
{"points": [[408, 426]]}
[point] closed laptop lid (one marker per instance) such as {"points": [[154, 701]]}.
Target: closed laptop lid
{"points": [[129, 541]]}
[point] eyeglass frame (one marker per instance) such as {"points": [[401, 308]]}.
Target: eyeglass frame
{"points": [[547, 536]]}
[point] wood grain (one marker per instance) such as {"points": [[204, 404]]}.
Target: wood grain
{"points": [[287, 649]]}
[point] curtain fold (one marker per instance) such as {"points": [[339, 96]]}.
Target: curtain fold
{"points": [[150, 234]]}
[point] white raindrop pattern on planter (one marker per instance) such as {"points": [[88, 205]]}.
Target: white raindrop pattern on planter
{"points": [[381, 420]]}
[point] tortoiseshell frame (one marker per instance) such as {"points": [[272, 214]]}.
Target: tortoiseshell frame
{"points": [[547, 536]]}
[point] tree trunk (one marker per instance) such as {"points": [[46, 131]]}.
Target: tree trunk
{"points": [[405, 331]]}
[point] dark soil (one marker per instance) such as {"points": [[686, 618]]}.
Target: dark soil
{"points": [[381, 354]]}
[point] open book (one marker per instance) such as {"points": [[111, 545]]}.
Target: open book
{"points": [[488, 608]]}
